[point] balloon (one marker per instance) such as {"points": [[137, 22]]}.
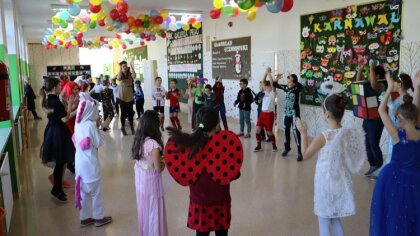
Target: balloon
{"points": [[186, 27], [125, 27], [122, 7], [55, 20], [245, 4], [110, 28], [123, 18], [138, 22], [288, 5], [64, 15], [64, 24], [218, 4], [197, 25], [114, 14], [228, 10], [77, 1], [146, 24], [84, 28], [131, 21], [164, 13], [84, 16], [259, 3], [95, 2], [108, 21], [113, 2], [274, 6], [74, 9], [48, 31], [172, 27], [199, 18], [51, 39], [179, 25], [184, 19], [92, 24], [192, 20], [154, 13], [159, 20], [163, 35], [251, 15], [236, 13], [78, 36], [215, 13], [95, 8], [118, 36], [117, 24]]}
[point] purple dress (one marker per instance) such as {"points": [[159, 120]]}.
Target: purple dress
{"points": [[149, 193]]}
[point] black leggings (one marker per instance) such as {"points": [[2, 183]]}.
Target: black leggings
{"points": [[126, 112], [58, 177], [218, 233], [196, 107]]}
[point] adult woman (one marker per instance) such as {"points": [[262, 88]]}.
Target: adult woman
{"points": [[126, 95]]}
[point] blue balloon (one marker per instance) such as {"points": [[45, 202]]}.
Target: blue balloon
{"points": [[154, 13], [48, 31], [117, 24], [74, 9], [178, 25], [274, 6], [130, 42]]}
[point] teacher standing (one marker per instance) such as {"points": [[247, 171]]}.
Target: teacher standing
{"points": [[126, 95]]}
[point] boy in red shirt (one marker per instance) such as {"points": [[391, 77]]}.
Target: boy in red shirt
{"points": [[173, 95]]}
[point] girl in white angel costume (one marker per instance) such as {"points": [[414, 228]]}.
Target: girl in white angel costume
{"points": [[342, 153]]}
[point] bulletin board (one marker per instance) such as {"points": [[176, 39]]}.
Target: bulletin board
{"points": [[332, 41], [185, 56], [70, 70]]}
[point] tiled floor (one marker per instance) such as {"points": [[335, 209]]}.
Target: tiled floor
{"points": [[274, 195]]}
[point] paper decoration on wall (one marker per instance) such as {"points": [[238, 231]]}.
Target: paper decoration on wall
{"points": [[231, 58], [332, 41], [72, 71], [365, 100], [185, 56]]}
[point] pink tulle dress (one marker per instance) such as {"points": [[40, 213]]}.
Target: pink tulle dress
{"points": [[150, 194]]}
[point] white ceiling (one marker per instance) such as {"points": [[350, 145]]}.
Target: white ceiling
{"points": [[36, 13]]}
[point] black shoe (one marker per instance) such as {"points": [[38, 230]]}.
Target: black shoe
{"points": [[105, 129], [371, 170], [104, 221], [285, 152], [133, 131], [268, 141], [123, 131], [61, 196], [257, 149], [300, 157], [274, 149]]}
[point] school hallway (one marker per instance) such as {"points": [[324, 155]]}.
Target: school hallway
{"points": [[273, 196]]}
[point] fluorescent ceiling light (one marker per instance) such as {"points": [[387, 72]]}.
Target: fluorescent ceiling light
{"points": [[60, 7]]}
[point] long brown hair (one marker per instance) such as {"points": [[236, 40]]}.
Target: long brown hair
{"points": [[49, 84], [206, 119], [148, 128]]}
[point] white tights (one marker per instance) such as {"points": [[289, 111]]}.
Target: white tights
{"points": [[324, 226]]}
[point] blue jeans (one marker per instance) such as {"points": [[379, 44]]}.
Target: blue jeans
{"points": [[373, 129], [222, 110], [245, 117]]}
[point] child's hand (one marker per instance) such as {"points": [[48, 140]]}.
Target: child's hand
{"points": [[416, 80], [389, 81], [373, 65], [301, 126], [360, 63]]}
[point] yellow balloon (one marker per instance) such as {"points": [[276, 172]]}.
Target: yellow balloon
{"points": [[242, 10], [74, 42], [93, 17], [110, 28], [218, 4], [196, 25], [113, 2], [58, 32], [186, 27], [251, 15], [51, 39], [84, 28], [60, 37], [101, 15], [95, 2], [164, 13], [55, 20], [253, 9], [66, 35]]}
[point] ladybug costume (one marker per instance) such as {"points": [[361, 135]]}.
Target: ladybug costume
{"points": [[208, 174]]}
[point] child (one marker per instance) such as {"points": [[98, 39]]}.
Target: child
{"points": [[207, 161], [266, 118], [341, 153], [114, 87], [107, 96], [396, 198], [57, 148], [87, 139], [208, 96], [97, 89], [190, 86], [258, 100], [197, 93], [147, 151], [158, 95], [30, 99], [373, 127], [244, 101], [139, 98], [173, 95], [219, 91], [291, 111]]}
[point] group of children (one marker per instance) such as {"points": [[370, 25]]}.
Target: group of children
{"points": [[208, 159]]}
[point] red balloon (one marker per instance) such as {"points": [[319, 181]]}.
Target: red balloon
{"points": [[215, 13], [110, 47], [114, 14], [143, 35], [148, 38], [60, 42], [192, 20], [138, 23], [123, 18], [101, 38], [142, 43], [122, 7], [47, 46], [236, 12], [101, 23], [288, 4], [159, 20], [55, 46], [163, 35], [95, 9], [124, 46], [118, 36], [79, 35]]}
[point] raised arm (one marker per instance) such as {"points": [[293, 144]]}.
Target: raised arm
{"points": [[270, 78], [308, 151], [416, 96], [132, 71], [392, 130], [360, 66], [372, 77]]}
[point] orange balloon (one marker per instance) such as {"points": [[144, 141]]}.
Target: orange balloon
{"points": [[258, 3], [69, 1], [131, 21]]}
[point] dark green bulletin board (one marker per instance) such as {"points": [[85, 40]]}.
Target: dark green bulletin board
{"points": [[332, 41]]}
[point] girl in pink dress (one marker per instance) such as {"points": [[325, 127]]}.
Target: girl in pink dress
{"points": [[147, 151]]}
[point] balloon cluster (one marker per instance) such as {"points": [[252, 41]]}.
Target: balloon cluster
{"points": [[232, 8], [140, 28]]}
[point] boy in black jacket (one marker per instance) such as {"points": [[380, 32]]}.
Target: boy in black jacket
{"points": [[244, 101]]}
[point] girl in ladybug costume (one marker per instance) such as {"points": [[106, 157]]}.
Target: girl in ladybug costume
{"points": [[207, 161]]}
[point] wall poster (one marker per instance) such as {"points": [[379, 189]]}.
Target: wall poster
{"points": [[231, 58], [332, 42], [185, 56]]}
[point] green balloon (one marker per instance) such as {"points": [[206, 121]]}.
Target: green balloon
{"points": [[92, 24], [246, 4], [145, 24], [64, 24], [228, 10]]}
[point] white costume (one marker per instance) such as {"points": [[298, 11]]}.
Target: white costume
{"points": [[344, 154], [87, 139], [159, 94]]}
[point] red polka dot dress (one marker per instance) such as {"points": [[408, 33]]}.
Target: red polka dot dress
{"points": [[208, 174]]}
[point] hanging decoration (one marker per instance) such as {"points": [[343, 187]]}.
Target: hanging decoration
{"points": [[71, 25], [232, 8]]}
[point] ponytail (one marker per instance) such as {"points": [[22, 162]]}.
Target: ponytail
{"points": [[49, 84], [43, 95]]}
